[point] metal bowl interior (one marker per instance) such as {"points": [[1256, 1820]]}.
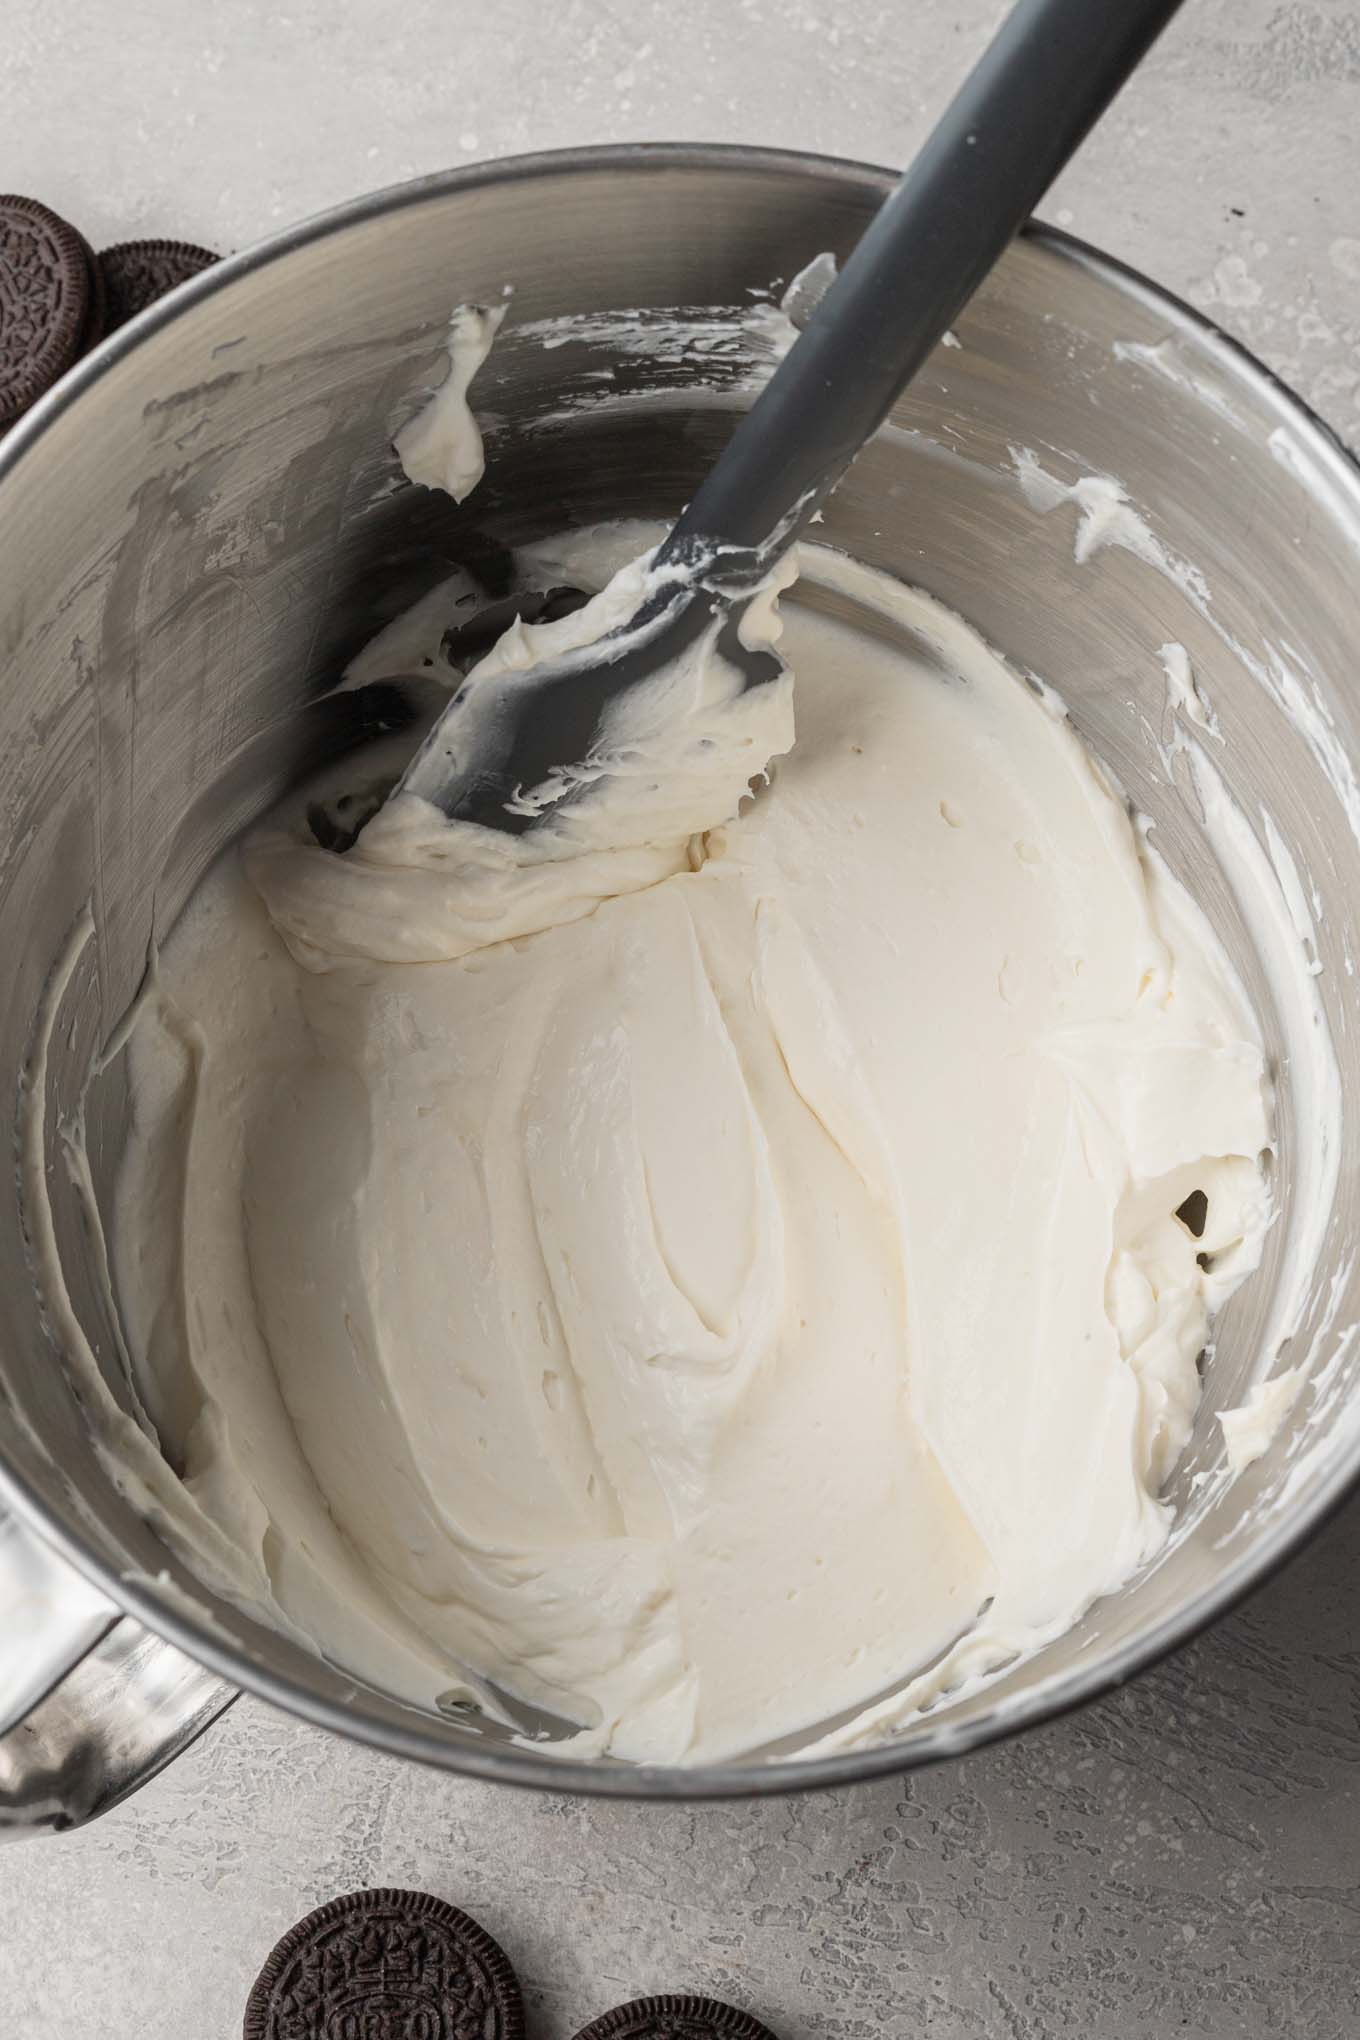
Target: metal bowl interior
{"points": [[205, 520]]}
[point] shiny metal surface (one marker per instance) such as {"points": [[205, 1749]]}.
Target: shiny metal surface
{"points": [[91, 1704], [50, 1617], [204, 522], [124, 1711]]}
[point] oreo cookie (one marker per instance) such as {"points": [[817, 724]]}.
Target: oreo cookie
{"points": [[675, 2018], [387, 1965], [47, 295], [136, 273], [96, 323]]}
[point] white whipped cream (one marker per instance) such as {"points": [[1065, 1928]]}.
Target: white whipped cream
{"points": [[1250, 1430], [699, 1275], [441, 446]]}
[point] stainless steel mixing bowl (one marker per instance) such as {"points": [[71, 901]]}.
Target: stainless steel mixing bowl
{"points": [[204, 521]]}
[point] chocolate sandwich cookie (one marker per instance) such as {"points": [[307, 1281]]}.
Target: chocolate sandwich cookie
{"points": [[136, 273], [386, 1964], [46, 297], [675, 2018], [97, 318]]}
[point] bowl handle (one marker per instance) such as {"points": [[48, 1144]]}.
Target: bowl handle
{"points": [[91, 1704]]}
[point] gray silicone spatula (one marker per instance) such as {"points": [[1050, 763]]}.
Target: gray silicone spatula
{"points": [[1051, 71]]}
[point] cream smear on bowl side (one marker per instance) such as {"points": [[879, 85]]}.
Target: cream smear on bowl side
{"points": [[1279, 911]]}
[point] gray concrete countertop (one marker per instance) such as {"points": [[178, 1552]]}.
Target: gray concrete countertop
{"points": [[1183, 1858]]}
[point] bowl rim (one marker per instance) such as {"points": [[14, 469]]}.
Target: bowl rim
{"points": [[742, 1778]]}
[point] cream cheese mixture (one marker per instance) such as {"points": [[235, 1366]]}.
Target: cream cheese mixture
{"points": [[710, 1267]]}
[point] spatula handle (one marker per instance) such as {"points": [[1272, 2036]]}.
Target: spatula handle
{"points": [[1045, 79]]}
